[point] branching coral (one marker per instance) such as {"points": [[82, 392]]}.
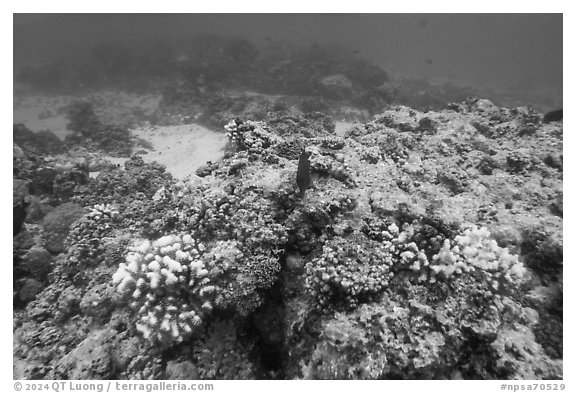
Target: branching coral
{"points": [[356, 269], [251, 136], [103, 211], [475, 253], [87, 238], [169, 286], [239, 223], [405, 253], [241, 275], [235, 131], [352, 272], [348, 272], [245, 216]]}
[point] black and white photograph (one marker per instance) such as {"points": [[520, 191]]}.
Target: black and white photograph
{"points": [[287, 196]]}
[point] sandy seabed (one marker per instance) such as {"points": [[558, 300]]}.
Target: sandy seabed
{"points": [[183, 148]]}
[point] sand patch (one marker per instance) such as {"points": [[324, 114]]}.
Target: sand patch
{"points": [[342, 127], [183, 148], [40, 113], [48, 112]]}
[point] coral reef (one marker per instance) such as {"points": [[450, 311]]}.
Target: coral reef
{"points": [[37, 143], [114, 140], [429, 246], [57, 224], [87, 241]]}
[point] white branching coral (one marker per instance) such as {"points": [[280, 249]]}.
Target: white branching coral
{"points": [[475, 251], [99, 212], [169, 286], [232, 129]]}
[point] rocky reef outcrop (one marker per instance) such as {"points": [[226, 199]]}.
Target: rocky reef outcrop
{"points": [[429, 246]]}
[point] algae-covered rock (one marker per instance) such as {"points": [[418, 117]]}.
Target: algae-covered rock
{"points": [[181, 370], [57, 224], [91, 359]]}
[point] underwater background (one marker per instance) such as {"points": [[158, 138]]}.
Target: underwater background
{"points": [[517, 53], [288, 196]]}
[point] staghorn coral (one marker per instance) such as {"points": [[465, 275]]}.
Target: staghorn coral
{"points": [[169, 287]]}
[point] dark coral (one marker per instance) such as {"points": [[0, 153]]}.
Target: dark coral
{"points": [[543, 251], [37, 143], [115, 140], [57, 224]]}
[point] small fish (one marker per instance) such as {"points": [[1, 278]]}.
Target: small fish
{"points": [[428, 61], [553, 116], [423, 22], [303, 178]]}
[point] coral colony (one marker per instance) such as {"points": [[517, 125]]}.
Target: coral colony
{"points": [[169, 286]]}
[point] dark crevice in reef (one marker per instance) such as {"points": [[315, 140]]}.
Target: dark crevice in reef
{"points": [[549, 330], [268, 321]]}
